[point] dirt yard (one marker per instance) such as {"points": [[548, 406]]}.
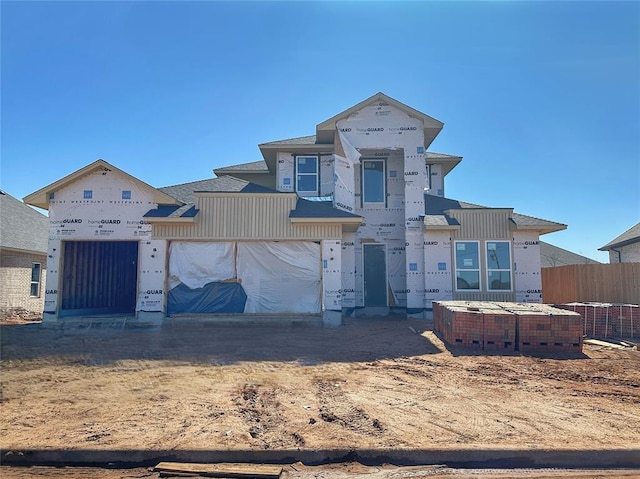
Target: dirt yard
{"points": [[373, 384]]}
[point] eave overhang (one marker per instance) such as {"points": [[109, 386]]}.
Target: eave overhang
{"points": [[270, 151]]}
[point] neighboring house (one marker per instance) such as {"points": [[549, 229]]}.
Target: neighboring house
{"points": [[23, 256], [351, 219], [551, 255], [625, 248]]}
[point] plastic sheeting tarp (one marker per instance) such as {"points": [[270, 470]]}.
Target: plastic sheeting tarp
{"points": [[211, 298], [280, 277], [197, 264]]}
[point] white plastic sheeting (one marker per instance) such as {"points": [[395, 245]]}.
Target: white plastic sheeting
{"points": [[197, 264], [280, 277], [344, 170]]}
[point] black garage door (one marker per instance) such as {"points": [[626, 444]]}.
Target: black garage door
{"points": [[99, 277]]}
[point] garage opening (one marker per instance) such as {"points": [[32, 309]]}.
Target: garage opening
{"points": [[99, 277], [267, 277]]}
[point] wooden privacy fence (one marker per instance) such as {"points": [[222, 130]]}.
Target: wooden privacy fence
{"points": [[606, 283]]}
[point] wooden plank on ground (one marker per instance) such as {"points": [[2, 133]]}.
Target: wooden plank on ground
{"points": [[228, 469]]}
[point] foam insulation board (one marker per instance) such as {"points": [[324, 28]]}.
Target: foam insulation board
{"points": [[285, 180], [526, 267], [331, 275], [438, 280], [151, 274]]}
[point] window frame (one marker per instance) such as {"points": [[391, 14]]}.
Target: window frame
{"points": [[38, 282], [364, 183], [457, 268], [297, 173], [509, 269]]}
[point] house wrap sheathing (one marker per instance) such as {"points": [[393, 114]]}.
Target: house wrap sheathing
{"points": [[358, 222]]}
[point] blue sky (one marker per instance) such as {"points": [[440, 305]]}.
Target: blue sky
{"points": [[541, 99]]}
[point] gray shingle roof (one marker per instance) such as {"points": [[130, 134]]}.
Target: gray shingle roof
{"points": [[632, 235], [172, 211], [22, 227], [551, 255], [318, 209], [301, 140], [185, 191], [252, 167]]}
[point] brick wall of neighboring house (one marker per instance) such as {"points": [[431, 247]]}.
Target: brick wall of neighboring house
{"points": [[628, 254], [15, 281]]}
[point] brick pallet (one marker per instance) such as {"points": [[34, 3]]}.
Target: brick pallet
{"points": [[501, 326], [607, 320]]}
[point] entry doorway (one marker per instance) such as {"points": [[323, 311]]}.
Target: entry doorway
{"points": [[375, 275], [99, 277]]}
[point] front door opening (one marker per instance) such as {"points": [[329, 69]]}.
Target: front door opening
{"points": [[375, 275]]}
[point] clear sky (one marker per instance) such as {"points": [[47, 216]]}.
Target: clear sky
{"points": [[541, 99]]}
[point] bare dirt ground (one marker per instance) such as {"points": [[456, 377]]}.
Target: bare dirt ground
{"points": [[373, 384]]}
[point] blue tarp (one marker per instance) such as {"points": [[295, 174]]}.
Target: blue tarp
{"points": [[211, 298]]}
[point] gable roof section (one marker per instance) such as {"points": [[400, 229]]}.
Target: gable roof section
{"points": [[632, 235], [22, 227], [551, 255], [40, 198], [325, 130], [438, 206]]}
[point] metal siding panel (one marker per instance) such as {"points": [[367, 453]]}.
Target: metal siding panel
{"points": [[481, 225]]}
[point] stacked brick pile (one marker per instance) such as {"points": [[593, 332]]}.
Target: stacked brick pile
{"points": [[607, 320], [499, 326]]}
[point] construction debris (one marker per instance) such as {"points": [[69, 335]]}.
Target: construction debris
{"points": [[226, 470]]}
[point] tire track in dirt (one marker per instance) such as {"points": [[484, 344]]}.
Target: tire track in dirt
{"points": [[337, 408], [260, 408]]}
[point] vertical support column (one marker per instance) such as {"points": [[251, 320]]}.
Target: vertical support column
{"points": [[348, 257], [151, 301], [415, 177], [527, 279], [438, 285], [52, 285], [331, 283]]}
